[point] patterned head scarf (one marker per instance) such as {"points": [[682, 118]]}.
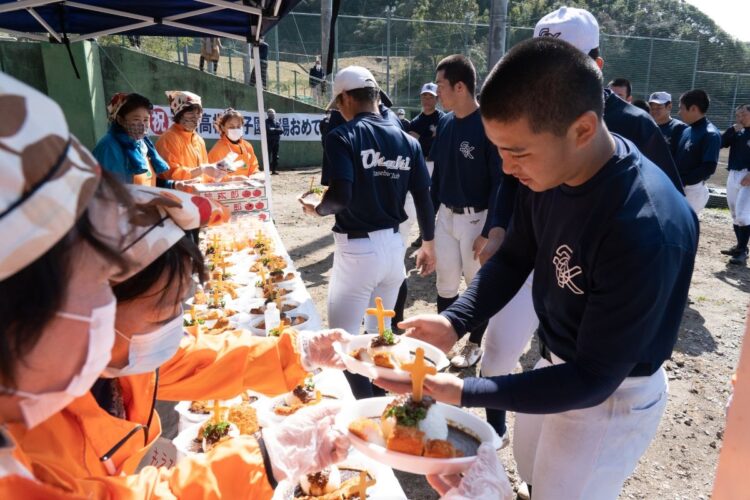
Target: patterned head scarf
{"points": [[179, 100], [115, 104], [158, 221], [223, 116], [48, 178]]}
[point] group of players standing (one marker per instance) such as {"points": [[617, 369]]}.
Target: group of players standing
{"points": [[561, 206]]}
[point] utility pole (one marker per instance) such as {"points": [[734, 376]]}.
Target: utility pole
{"points": [[278, 72], [388, 13], [498, 20], [326, 12]]}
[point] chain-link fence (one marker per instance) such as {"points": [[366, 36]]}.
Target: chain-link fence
{"points": [[403, 53]]}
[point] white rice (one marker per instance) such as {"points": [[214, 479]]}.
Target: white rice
{"points": [[434, 425]]}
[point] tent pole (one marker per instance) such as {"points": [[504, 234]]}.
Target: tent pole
{"points": [[262, 119]]}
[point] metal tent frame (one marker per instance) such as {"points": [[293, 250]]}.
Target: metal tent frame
{"points": [[244, 20]]}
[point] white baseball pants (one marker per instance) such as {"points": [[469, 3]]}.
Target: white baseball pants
{"points": [[411, 213], [363, 269], [508, 332], [454, 239], [588, 454], [738, 198], [697, 196]]}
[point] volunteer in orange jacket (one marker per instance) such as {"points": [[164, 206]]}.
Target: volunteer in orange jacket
{"points": [[106, 433], [231, 124], [181, 146]]}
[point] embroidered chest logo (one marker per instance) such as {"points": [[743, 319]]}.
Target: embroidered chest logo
{"points": [[565, 273], [466, 150], [688, 145]]}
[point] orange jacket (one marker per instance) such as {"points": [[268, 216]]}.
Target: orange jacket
{"points": [[65, 450], [243, 149], [182, 150]]}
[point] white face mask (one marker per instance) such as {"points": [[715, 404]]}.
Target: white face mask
{"points": [[36, 408], [149, 351], [234, 134]]}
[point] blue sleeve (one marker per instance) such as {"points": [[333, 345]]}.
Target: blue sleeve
{"points": [[656, 149], [494, 164], [338, 158], [419, 177], [500, 278], [727, 137], [425, 214], [711, 147], [109, 155], [554, 389], [504, 202], [336, 198]]}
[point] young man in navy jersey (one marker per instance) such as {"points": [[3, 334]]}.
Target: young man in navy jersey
{"points": [[612, 244], [622, 88], [660, 108], [510, 330], [464, 184], [698, 149], [371, 165], [424, 125], [737, 139]]}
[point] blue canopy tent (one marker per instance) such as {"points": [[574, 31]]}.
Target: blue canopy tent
{"points": [[69, 22]]}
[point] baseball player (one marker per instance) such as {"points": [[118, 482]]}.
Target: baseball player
{"points": [[401, 114], [612, 244], [622, 88], [510, 330], [737, 139], [464, 184], [424, 126], [371, 165], [660, 108], [698, 149]]}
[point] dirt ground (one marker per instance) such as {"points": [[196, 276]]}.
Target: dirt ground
{"points": [[681, 462]]}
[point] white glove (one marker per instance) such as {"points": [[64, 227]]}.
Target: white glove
{"points": [[316, 348], [305, 442], [485, 480]]}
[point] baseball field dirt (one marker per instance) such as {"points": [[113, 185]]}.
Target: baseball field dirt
{"points": [[681, 461]]}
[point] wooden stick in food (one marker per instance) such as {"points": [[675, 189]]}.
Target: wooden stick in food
{"points": [[419, 370]]}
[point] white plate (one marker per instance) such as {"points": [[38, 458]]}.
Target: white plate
{"points": [[184, 440], [370, 370], [188, 418], [373, 407], [260, 319]]}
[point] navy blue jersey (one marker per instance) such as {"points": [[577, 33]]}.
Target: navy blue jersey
{"points": [[382, 162], [467, 167], [612, 261], [739, 147], [698, 151], [621, 118], [636, 125], [672, 131], [425, 126]]}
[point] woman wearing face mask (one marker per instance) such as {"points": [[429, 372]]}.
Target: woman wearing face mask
{"points": [[125, 150], [107, 432], [181, 146], [231, 126], [55, 264]]}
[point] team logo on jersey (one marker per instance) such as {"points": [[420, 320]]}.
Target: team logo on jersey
{"points": [[466, 150], [547, 32], [565, 273], [372, 158], [688, 145]]}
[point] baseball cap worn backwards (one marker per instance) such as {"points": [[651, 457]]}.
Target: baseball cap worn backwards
{"points": [[351, 78], [429, 88], [578, 27], [660, 97]]}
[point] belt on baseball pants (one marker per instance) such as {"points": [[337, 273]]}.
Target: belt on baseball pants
{"points": [[465, 210], [640, 369], [359, 235]]}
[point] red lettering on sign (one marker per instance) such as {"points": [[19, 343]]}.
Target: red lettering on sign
{"points": [[222, 195], [159, 121]]}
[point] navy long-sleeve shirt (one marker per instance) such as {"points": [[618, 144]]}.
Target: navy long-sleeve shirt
{"points": [[467, 166], [612, 261], [672, 131], [698, 152], [621, 118], [739, 147]]}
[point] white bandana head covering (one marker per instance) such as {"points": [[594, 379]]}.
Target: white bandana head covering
{"points": [[47, 178], [181, 99]]}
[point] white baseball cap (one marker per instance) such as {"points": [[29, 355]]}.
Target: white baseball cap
{"points": [[578, 27], [401, 112], [660, 97], [352, 78], [429, 88]]}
